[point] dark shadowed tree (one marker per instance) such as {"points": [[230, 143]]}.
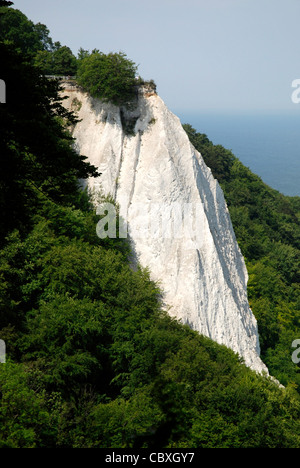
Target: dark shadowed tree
{"points": [[36, 154]]}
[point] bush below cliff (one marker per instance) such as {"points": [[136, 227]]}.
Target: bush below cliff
{"points": [[267, 227]]}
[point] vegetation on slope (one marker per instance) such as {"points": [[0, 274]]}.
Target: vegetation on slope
{"points": [[34, 40], [92, 359], [267, 227], [109, 77]]}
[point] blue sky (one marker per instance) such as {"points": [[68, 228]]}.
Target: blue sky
{"points": [[205, 55]]}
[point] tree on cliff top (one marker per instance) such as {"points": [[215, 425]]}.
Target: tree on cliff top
{"points": [[34, 40], [37, 158], [109, 77]]}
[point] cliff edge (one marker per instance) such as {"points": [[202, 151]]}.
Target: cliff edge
{"points": [[177, 216]]}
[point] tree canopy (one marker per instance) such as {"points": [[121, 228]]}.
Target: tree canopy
{"points": [[109, 77], [267, 227], [59, 61], [27, 37], [35, 42], [93, 360], [37, 158]]}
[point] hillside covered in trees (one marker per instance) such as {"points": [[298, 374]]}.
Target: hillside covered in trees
{"points": [[267, 227], [92, 359]]}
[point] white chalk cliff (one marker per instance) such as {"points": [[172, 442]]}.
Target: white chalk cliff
{"points": [[204, 279]]}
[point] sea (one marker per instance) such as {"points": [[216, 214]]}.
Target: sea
{"points": [[269, 145]]}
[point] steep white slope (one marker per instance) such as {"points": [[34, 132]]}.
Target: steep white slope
{"points": [[203, 277]]}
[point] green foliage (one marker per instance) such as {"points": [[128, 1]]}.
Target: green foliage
{"points": [[34, 41], [267, 227], [25, 416], [58, 61], [98, 363], [226, 406], [109, 77], [218, 159], [37, 157], [26, 37], [5, 3], [93, 361]]}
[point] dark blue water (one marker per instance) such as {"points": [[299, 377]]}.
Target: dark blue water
{"points": [[268, 144]]}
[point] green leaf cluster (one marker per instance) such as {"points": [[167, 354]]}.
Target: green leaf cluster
{"points": [[93, 360], [59, 61], [38, 160], [34, 41], [267, 227], [110, 77]]}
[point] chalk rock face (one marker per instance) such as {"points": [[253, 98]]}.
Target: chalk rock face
{"points": [[177, 216]]}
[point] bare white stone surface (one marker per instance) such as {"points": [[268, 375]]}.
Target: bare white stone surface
{"points": [[203, 277]]}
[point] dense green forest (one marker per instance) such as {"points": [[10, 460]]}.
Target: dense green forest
{"points": [[92, 359], [267, 227]]}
